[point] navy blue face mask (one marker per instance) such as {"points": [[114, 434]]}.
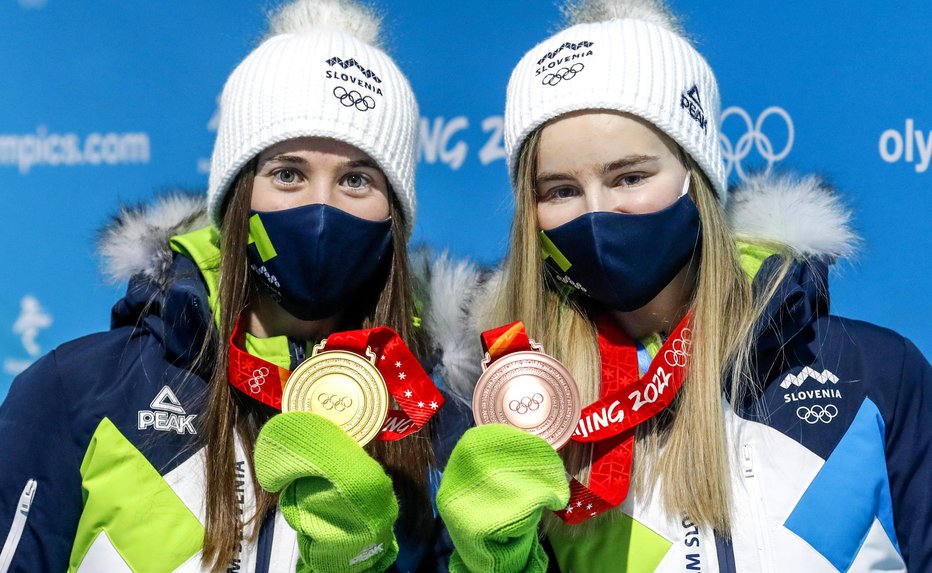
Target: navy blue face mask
{"points": [[314, 259], [621, 260]]}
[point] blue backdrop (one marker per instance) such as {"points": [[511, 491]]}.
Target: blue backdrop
{"points": [[110, 101]]}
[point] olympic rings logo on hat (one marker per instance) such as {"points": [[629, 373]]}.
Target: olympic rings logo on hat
{"points": [[817, 413], [353, 99], [334, 402], [754, 138], [563, 74], [528, 403], [258, 379]]}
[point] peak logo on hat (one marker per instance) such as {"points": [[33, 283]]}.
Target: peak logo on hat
{"points": [[690, 100]]}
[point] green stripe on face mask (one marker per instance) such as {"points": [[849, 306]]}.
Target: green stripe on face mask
{"points": [[258, 236], [548, 250]]}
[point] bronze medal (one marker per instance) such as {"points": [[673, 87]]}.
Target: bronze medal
{"points": [[529, 390], [343, 387]]}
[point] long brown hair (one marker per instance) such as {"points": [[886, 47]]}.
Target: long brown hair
{"points": [[229, 414], [690, 434]]}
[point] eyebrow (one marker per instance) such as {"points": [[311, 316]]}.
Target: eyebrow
{"points": [[363, 163], [284, 158], [623, 163], [297, 159], [630, 161]]}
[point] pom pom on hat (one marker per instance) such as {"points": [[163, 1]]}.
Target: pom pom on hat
{"points": [[653, 11], [302, 16]]}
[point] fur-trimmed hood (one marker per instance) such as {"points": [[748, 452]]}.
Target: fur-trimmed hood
{"points": [[135, 242], [802, 213]]}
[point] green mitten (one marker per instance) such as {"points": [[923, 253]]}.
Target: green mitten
{"points": [[495, 487], [337, 498]]}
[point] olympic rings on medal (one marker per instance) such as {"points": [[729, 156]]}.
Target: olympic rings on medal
{"points": [[563, 74], [258, 379], [817, 413], [334, 402], [526, 404], [754, 137], [353, 99]]}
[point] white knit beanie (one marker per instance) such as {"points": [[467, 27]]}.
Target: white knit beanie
{"points": [[622, 55], [318, 73]]}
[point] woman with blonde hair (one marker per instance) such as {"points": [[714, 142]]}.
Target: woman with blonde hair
{"points": [[159, 446], [728, 422]]}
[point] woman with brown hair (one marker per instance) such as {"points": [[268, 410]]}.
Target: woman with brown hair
{"points": [[140, 448], [728, 421]]}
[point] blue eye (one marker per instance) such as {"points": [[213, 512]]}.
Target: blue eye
{"points": [[632, 179], [356, 181], [287, 176]]}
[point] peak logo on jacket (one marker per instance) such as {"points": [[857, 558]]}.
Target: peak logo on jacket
{"points": [[166, 415]]}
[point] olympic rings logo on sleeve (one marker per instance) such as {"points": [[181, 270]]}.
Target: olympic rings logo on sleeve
{"points": [[754, 138], [817, 413], [526, 404], [353, 99], [258, 379], [563, 74]]}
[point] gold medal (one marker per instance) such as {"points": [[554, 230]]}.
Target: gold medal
{"points": [[343, 387]]}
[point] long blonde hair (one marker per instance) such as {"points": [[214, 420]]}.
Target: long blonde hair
{"points": [[689, 435]]}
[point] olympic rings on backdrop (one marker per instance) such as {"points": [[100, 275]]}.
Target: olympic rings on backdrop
{"points": [[755, 138]]}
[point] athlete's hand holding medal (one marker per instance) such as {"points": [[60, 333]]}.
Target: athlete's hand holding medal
{"points": [[536, 395], [332, 404], [526, 405]]}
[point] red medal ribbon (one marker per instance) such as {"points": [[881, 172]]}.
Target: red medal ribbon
{"points": [[626, 401], [405, 378], [505, 340], [253, 376]]}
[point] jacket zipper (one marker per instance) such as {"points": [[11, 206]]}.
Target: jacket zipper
{"points": [[756, 515], [19, 523], [264, 544]]}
